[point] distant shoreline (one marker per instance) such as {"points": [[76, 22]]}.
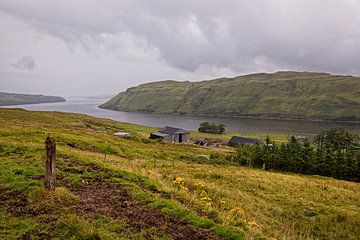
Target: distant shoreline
{"points": [[13, 99], [357, 121], [32, 103]]}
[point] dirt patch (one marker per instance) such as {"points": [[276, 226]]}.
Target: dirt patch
{"points": [[70, 165], [113, 201], [99, 195], [15, 203], [35, 235], [35, 177]]}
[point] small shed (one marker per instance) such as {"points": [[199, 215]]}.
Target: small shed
{"points": [[159, 135], [171, 134], [236, 141], [122, 134]]}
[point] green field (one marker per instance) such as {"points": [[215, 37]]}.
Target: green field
{"points": [[294, 95], [115, 188]]}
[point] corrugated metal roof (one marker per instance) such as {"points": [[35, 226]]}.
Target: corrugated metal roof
{"points": [[172, 130], [159, 134], [243, 140]]}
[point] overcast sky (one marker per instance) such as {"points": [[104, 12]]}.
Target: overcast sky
{"points": [[93, 47]]}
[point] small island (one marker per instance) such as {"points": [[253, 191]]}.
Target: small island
{"points": [[7, 99]]}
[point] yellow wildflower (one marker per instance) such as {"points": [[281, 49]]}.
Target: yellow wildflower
{"points": [[236, 214], [205, 199], [252, 223], [199, 185], [203, 194], [208, 205], [179, 180]]}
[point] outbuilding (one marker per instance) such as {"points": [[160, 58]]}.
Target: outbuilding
{"points": [[171, 134], [236, 141]]}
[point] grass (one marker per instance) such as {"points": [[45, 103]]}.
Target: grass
{"points": [[30, 206], [230, 201]]}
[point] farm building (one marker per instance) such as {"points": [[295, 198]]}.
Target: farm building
{"points": [[171, 134], [236, 141]]}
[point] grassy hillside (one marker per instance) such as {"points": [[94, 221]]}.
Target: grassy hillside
{"points": [[144, 189], [280, 95], [18, 99]]}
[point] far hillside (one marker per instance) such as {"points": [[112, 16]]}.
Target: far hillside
{"points": [[290, 95], [18, 99]]}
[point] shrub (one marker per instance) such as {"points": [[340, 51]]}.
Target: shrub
{"points": [[335, 153], [206, 127]]}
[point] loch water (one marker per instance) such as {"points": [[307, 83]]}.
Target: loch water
{"points": [[244, 125]]}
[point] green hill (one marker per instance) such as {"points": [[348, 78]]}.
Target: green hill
{"points": [[18, 99], [295, 95], [113, 188]]}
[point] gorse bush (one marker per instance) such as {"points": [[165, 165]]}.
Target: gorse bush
{"points": [[334, 153]]}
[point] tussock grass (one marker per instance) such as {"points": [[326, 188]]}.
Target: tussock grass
{"points": [[75, 227], [41, 199]]}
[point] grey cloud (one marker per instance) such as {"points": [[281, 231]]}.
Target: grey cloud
{"points": [[26, 62], [242, 35]]}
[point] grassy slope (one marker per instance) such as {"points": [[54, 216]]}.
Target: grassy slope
{"points": [[17, 99], [258, 203], [282, 94]]}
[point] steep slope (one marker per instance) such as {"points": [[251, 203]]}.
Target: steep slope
{"points": [[17, 99], [300, 95]]}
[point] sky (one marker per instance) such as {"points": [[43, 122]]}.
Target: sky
{"points": [[96, 47]]}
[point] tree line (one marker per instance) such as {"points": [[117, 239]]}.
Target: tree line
{"points": [[333, 153]]}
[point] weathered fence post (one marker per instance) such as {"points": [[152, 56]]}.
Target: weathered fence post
{"points": [[50, 148]]}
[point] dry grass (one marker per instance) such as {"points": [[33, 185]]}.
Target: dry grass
{"points": [[41, 199], [268, 199]]}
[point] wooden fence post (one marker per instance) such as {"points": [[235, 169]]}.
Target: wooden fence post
{"points": [[50, 148]]}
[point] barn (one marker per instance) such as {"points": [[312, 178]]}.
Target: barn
{"points": [[171, 134], [236, 141]]}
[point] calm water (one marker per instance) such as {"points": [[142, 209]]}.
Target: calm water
{"points": [[89, 107]]}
